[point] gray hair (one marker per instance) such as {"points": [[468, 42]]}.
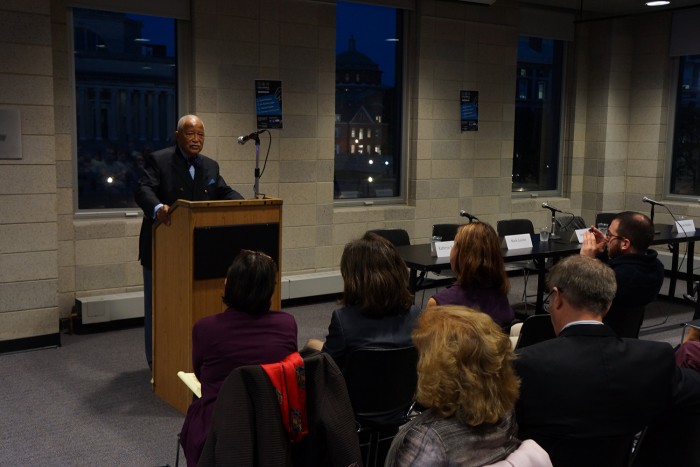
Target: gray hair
{"points": [[184, 119], [587, 283]]}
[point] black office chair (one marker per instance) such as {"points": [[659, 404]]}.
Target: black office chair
{"points": [[381, 384], [625, 321], [247, 427], [399, 237], [569, 223], [536, 328], [446, 231], [606, 451], [605, 217], [516, 227]]}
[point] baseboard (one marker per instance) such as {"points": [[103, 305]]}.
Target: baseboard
{"points": [[30, 343]]}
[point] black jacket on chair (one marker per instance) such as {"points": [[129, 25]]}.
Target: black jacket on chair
{"points": [[247, 426]]}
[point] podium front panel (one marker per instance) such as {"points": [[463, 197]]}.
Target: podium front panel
{"points": [[216, 246]]}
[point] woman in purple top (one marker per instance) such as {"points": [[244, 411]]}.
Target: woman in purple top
{"points": [[247, 333], [482, 282]]}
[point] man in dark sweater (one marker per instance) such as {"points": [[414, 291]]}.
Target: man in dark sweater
{"points": [[638, 271]]}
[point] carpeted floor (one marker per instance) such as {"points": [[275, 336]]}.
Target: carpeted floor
{"points": [[89, 402]]}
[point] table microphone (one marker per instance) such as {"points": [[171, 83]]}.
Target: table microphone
{"points": [[652, 202], [552, 208], [471, 217]]}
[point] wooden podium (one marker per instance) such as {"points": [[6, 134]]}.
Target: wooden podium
{"points": [[190, 260]]}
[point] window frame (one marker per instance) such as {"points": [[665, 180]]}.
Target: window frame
{"points": [[563, 120], [183, 77], [671, 133], [405, 10]]}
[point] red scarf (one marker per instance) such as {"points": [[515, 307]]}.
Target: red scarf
{"points": [[289, 379]]}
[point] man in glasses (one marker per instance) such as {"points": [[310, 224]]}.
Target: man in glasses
{"points": [[585, 394], [177, 172], [638, 271]]}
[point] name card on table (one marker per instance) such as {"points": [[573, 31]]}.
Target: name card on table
{"points": [[684, 226], [443, 249], [515, 242], [577, 235]]}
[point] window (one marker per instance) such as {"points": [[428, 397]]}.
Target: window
{"points": [[685, 157], [126, 105], [370, 47], [538, 110]]}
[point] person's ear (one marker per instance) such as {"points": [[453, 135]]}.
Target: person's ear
{"points": [[625, 244], [555, 300]]}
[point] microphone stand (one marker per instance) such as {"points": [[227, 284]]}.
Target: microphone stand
{"points": [[256, 185], [553, 235]]}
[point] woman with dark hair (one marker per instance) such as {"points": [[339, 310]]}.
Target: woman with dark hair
{"points": [[482, 282], [247, 333], [468, 386], [378, 309]]}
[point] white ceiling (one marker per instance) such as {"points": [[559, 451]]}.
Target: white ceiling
{"points": [[607, 8]]}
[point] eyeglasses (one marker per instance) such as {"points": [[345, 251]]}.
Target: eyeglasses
{"points": [[610, 236], [257, 253]]}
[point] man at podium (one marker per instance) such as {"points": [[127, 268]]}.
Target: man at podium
{"points": [[177, 172]]}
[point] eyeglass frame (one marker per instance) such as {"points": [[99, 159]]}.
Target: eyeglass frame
{"points": [[609, 236]]}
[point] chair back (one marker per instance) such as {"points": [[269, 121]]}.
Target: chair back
{"points": [[625, 321], [569, 222], [604, 217], [514, 227], [536, 328], [247, 428], [602, 451], [398, 237], [446, 231], [381, 383]]}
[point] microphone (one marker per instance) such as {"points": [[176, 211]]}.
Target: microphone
{"points": [[652, 202], [552, 208], [471, 217], [244, 139]]}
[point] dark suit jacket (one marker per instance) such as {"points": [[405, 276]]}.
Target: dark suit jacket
{"points": [[166, 179], [247, 427], [350, 330], [587, 383]]}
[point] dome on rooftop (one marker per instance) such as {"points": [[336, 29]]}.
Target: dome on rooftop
{"points": [[351, 59]]}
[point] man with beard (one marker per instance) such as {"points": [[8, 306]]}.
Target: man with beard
{"points": [[638, 271]]}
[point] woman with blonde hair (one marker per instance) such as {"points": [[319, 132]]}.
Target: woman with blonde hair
{"points": [[482, 282], [467, 384]]}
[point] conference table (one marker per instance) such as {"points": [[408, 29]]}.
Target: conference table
{"points": [[420, 261]]}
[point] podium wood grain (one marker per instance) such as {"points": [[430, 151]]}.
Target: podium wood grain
{"points": [[178, 299]]}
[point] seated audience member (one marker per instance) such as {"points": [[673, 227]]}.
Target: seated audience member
{"points": [[638, 271], [482, 282], [247, 333], [688, 355], [587, 392], [467, 384], [378, 309]]}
